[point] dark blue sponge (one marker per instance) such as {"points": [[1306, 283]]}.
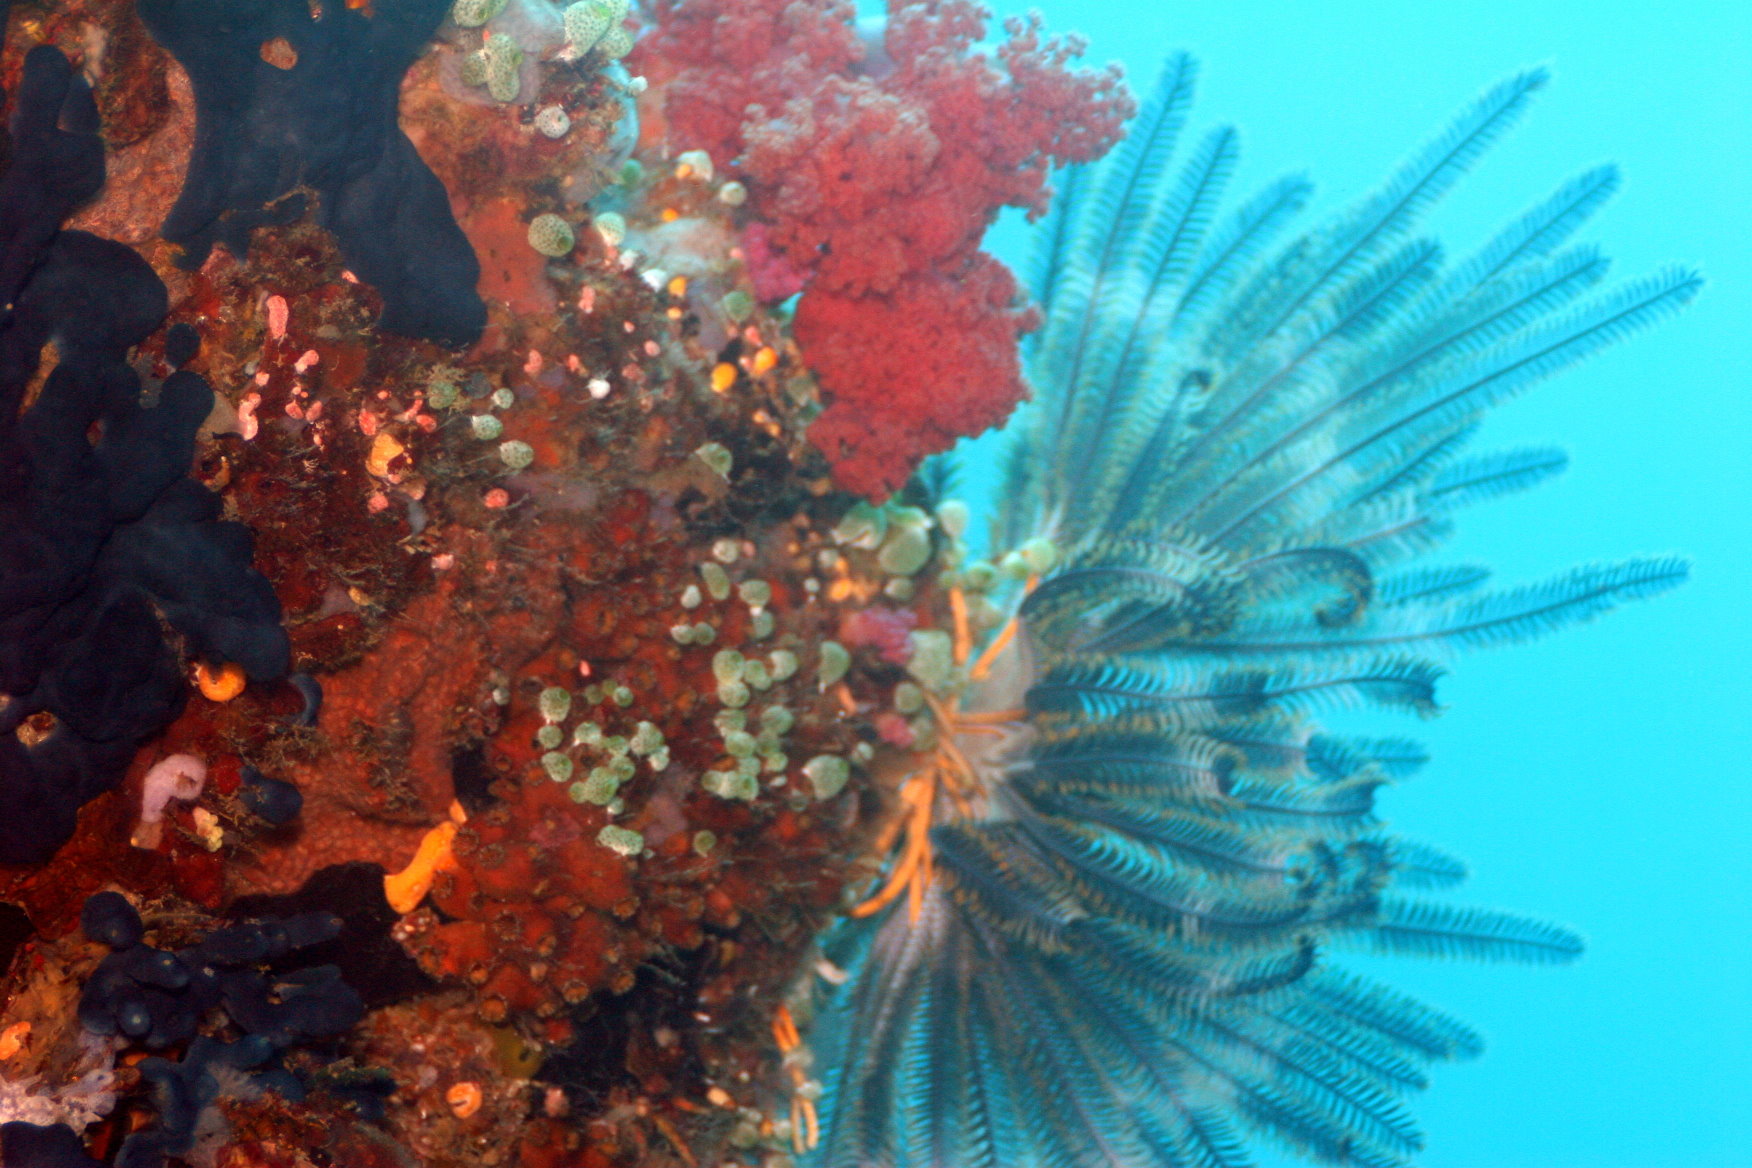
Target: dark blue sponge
{"points": [[101, 543], [329, 123], [159, 997]]}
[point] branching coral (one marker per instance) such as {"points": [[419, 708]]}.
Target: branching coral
{"points": [[875, 172]]}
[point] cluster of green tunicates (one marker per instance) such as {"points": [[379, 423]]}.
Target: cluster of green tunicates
{"points": [[612, 759], [496, 66], [596, 26], [902, 537]]}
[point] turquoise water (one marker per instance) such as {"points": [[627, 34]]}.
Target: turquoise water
{"points": [[1596, 778]]}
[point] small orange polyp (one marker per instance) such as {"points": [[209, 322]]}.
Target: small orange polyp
{"points": [[464, 1099], [723, 377], [764, 360], [220, 684]]}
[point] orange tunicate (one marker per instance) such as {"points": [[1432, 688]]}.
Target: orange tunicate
{"points": [[764, 359], [723, 376], [220, 684]]}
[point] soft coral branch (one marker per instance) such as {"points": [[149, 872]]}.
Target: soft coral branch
{"points": [[874, 173]]}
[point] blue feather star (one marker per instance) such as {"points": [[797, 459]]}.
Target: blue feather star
{"points": [[1113, 944]]}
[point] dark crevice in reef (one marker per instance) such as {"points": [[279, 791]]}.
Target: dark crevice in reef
{"points": [[369, 959], [104, 540], [322, 114], [610, 1032]]}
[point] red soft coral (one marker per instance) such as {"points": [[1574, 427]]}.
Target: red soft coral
{"points": [[877, 172], [913, 370]]}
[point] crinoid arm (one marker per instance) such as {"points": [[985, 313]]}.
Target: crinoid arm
{"points": [[1116, 947]]}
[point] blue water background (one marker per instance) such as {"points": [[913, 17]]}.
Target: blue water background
{"points": [[1599, 777]]}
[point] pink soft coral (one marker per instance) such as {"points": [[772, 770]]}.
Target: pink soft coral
{"points": [[877, 180]]}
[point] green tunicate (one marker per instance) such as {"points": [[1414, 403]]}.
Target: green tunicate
{"points": [[863, 526], [783, 664], [474, 13], [762, 625], [646, 738], [953, 516], [503, 398], [717, 580], [908, 698], [632, 173], [472, 71], [615, 43], [558, 766], [755, 593], [615, 744], [576, 792], [1014, 566], [982, 613], [863, 752], [733, 194], [729, 720], [622, 768], [905, 550], [726, 665], [585, 24], [739, 743], [737, 305], [593, 693], [775, 763], [932, 663], [899, 588], [587, 734], [834, 661], [777, 719], [486, 427], [549, 737], [767, 742], [748, 768], [623, 697], [554, 702], [504, 63], [704, 841], [551, 235], [690, 596], [620, 840], [659, 759], [827, 774], [755, 673], [681, 634], [1039, 555], [441, 395], [717, 456], [704, 634], [733, 694], [924, 732], [730, 785], [600, 787], [516, 455], [611, 226], [979, 576], [726, 550]]}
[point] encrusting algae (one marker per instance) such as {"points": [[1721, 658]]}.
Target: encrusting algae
{"points": [[487, 679]]}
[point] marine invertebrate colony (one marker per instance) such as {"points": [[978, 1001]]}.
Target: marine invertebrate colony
{"points": [[1105, 934]]}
